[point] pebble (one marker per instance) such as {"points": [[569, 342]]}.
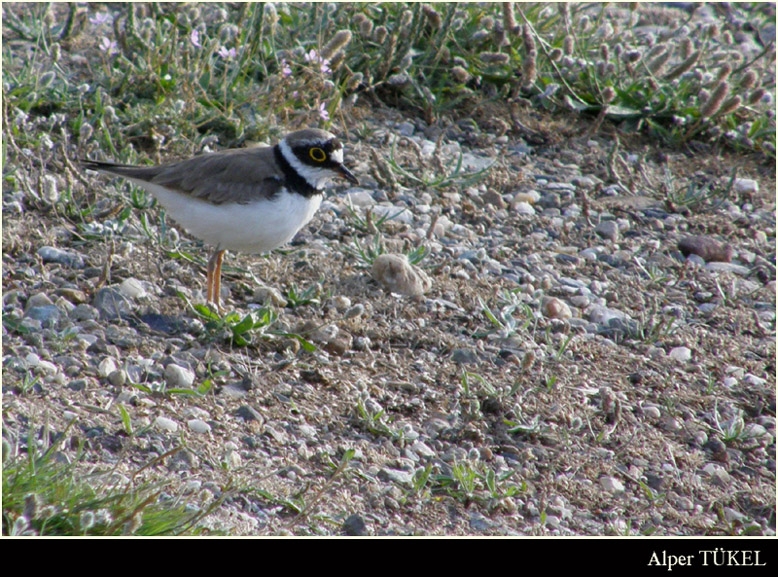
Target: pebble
{"points": [[118, 378], [737, 269], [48, 315], [133, 288], [604, 315], [59, 256], [746, 186], [397, 275], [362, 343], [39, 300], [464, 356], [198, 426], [554, 308], [248, 413], [354, 526], [166, 424], [394, 213], [405, 129], [111, 303], [354, 312], [397, 476], [340, 302], [178, 377], [232, 459], [106, 367], [612, 485], [523, 208], [359, 197], [265, 295], [671, 424], [754, 381], [530, 197], [494, 198], [717, 473], [608, 229], [706, 247], [84, 312], [681, 354]]}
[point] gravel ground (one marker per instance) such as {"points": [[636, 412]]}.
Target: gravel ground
{"points": [[626, 384]]}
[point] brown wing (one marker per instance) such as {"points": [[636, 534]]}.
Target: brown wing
{"points": [[239, 175]]}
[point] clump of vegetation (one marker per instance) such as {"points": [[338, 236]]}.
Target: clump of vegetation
{"points": [[45, 493], [179, 77]]}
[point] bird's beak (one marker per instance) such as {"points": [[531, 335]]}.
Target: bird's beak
{"points": [[347, 174]]}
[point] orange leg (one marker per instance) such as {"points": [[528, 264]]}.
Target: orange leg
{"points": [[213, 279]]}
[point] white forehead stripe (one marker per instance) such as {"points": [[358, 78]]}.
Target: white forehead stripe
{"points": [[337, 155]]}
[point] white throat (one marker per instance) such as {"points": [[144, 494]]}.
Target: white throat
{"points": [[316, 177]]}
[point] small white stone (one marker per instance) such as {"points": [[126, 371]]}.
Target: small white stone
{"points": [[681, 354], [746, 185], [198, 426], [47, 367], [132, 288], [529, 196], [106, 367], [523, 208], [178, 377], [612, 484], [268, 295], [166, 424], [754, 381], [233, 459], [359, 197], [341, 303]]}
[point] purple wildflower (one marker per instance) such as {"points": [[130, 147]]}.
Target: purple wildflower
{"points": [[108, 46], [323, 111], [100, 18], [286, 70], [227, 54], [314, 58]]}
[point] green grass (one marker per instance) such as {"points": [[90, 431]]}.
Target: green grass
{"points": [[434, 172], [503, 320], [469, 481], [241, 72], [243, 329], [46, 494]]}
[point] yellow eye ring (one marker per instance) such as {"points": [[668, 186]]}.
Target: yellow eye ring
{"points": [[317, 154]]}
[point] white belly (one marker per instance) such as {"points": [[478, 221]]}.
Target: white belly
{"points": [[253, 228]]}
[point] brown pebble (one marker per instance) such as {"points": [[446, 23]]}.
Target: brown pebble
{"points": [[397, 275], [554, 308], [75, 296], [706, 247], [494, 198]]}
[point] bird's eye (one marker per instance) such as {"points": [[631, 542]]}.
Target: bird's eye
{"points": [[317, 154]]}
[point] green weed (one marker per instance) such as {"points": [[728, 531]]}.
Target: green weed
{"points": [[45, 495]]}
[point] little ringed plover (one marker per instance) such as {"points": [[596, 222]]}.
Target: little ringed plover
{"points": [[249, 199]]}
